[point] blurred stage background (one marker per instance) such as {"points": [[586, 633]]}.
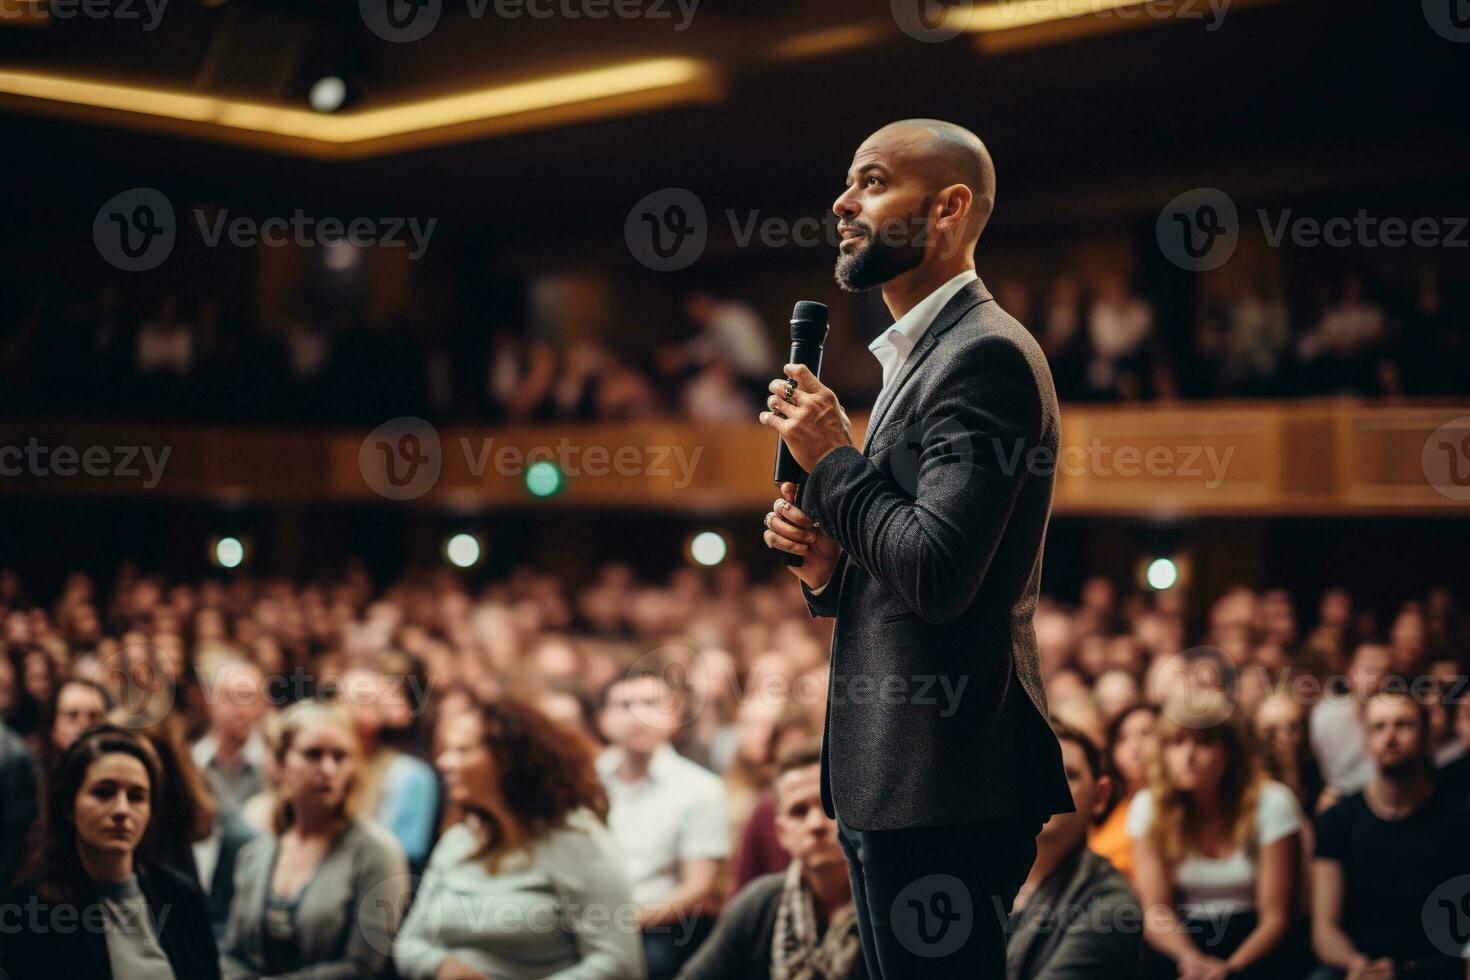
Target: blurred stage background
{"points": [[1284, 420]]}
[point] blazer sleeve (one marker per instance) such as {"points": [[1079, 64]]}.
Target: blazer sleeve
{"points": [[826, 603], [931, 543]]}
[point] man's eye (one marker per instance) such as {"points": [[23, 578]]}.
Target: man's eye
{"points": [[872, 180]]}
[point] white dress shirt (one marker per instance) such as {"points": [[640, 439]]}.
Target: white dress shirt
{"points": [[893, 346]]}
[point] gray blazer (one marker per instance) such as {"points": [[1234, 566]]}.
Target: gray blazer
{"points": [[936, 713], [1082, 922], [348, 915]]}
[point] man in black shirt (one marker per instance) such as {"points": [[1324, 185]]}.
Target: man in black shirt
{"points": [[1384, 853]]}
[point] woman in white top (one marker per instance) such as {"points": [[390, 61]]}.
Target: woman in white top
{"points": [[1217, 851], [530, 883]]}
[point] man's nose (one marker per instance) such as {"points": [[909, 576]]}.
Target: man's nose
{"points": [[845, 206]]}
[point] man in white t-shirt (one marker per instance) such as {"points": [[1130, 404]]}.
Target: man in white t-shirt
{"points": [[669, 815]]}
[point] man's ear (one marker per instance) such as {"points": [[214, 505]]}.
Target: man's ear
{"points": [[1102, 791], [954, 204]]}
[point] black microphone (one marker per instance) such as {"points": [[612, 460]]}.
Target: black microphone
{"points": [[808, 334]]}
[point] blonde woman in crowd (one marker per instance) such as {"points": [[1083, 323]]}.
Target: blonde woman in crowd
{"points": [[320, 896], [1217, 851]]}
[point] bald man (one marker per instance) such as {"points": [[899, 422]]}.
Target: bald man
{"points": [[925, 544]]}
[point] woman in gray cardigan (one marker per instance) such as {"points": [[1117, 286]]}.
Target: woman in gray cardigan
{"points": [[321, 897], [530, 883]]}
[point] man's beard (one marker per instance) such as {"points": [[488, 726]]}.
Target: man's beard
{"points": [[880, 260]]}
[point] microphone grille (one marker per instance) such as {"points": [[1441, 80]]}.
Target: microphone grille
{"points": [[809, 322]]}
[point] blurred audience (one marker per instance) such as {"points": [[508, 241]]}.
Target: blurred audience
{"points": [[608, 746], [1112, 330]]}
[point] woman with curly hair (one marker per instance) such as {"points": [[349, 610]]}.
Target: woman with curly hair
{"points": [[528, 883], [1217, 850]]}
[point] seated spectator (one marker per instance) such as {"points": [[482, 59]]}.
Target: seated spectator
{"points": [[18, 804], [1130, 744], [1119, 327], [1280, 723], [530, 846], [232, 752], [1455, 776], [1074, 916], [80, 705], [1338, 353], [398, 789], [147, 920], [668, 814], [321, 895], [799, 922], [185, 812], [1336, 724], [1382, 851], [759, 849], [1217, 850], [215, 857]]}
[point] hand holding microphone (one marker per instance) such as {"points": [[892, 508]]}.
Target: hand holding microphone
{"points": [[810, 423], [790, 530]]}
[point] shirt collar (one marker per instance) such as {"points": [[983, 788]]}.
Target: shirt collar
{"points": [[206, 750], [664, 758], [904, 335]]}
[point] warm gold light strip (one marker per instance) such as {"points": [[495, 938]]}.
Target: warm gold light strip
{"points": [[828, 41], [674, 79], [1007, 14]]}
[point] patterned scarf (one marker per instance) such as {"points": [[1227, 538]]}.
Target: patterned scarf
{"points": [[796, 953]]}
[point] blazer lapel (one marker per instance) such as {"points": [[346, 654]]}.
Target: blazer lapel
{"points": [[961, 303]]}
